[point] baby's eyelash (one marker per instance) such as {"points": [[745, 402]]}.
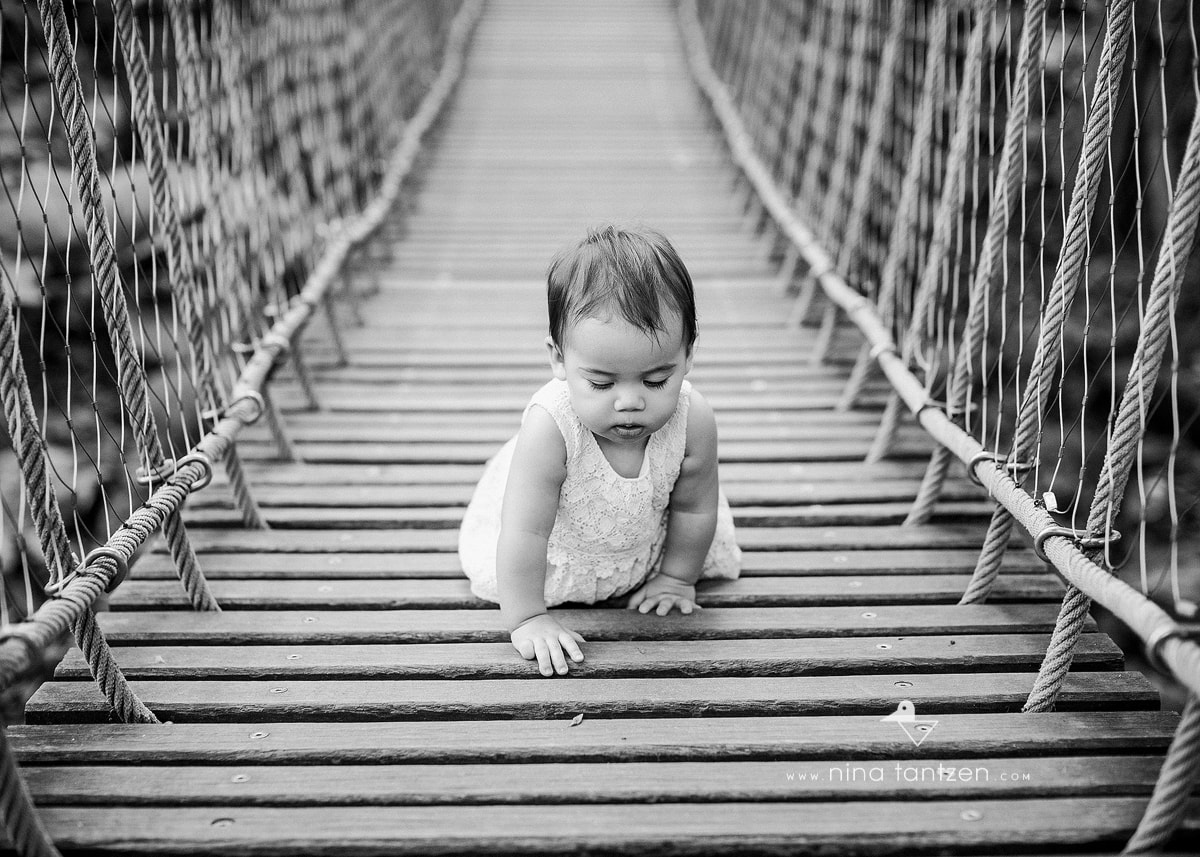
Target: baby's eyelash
{"points": [[657, 385], [596, 386]]}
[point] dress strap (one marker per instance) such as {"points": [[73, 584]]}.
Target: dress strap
{"points": [[555, 399]]}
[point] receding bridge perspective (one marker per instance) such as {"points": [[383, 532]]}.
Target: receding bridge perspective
{"points": [[274, 291]]}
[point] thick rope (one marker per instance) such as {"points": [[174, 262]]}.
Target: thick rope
{"points": [[901, 246], [1166, 638], [1180, 772], [1071, 259], [121, 698], [252, 516], [150, 127], [131, 376], [30, 447], [26, 832], [20, 651], [1130, 420], [1006, 193]]}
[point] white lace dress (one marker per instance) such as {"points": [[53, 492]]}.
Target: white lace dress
{"points": [[609, 532]]}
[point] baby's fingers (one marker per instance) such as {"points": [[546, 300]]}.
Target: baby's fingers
{"points": [[525, 649], [570, 646]]}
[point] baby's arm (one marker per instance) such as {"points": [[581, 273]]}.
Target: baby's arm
{"points": [[530, 504], [691, 521]]}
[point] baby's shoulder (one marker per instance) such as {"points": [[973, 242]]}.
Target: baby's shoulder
{"points": [[701, 437]]}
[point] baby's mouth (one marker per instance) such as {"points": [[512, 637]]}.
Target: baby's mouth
{"points": [[627, 429]]}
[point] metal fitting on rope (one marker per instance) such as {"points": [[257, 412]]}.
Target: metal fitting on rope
{"points": [[162, 473], [252, 395], [197, 457], [1154, 644], [881, 348], [113, 554], [1082, 539], [281, 342], [1014, 468]]}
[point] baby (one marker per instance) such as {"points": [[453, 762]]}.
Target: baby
{"points": [[610, 486]]}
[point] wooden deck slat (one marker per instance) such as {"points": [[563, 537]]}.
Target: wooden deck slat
{"points": [[772, 738], [566, 696], [376, 566], [450, 517], [862, 827], [608, 782], [781, 656], [759, 591], [358, 496], [353, 697], [231, 627], [776, 538]]}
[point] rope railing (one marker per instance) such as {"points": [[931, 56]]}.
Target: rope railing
{"points": [[1047, 177], [259, 190]]}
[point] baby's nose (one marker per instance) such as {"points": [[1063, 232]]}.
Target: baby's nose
{"points": [[629, 401]]}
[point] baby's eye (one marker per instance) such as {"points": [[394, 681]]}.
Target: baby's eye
{"points": [[595, 386], [657, 385]]}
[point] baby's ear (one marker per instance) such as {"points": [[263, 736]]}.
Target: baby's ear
{"points": [[556, 359], [691, 357]]}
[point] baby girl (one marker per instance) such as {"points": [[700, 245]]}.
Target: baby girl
{"points": [[610, 486]]}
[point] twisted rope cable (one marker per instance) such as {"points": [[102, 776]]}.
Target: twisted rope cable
{"points": [[149, 122], [1179, 655], [1168, 802], [30, 447], [182, 268], [252, 516], [1005, 194], [279, 433], [901, 251], [25, 830], [1071, 259], [852, 109], [21, 648], [106, 672], [1130, 420], [131, 376]]}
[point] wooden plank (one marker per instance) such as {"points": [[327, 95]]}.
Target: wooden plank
{"points": [[450, 517], [777, 538], [301, 566], [471, 453], [276, 472], [844, 827], [232, 627], [771, 738], [351, 496], [761, 592], [784, 656], [575, 782], [567, 696]]}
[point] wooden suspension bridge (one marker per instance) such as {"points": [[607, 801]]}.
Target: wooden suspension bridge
{"points": [[353, 697]]}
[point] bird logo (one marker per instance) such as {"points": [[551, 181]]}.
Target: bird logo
{"points": [[905, 716]]}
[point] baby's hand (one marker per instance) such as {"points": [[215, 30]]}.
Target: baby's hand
{"points": [[542, 637], [664, 592]]}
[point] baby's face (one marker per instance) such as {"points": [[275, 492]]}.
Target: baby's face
{"points": [[624, 384]]}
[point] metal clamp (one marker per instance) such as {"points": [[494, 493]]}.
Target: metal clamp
{"points": [[1082, 539], [881, 348], [197, 457], [1155, 641], [253, 395], [281, 343], [162, 473], [1014, 468], [113, 554]]}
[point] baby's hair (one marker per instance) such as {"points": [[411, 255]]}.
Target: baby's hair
{"points": [[632, 272]]}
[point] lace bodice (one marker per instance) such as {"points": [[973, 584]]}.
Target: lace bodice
{"points": [[610, 529]]}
